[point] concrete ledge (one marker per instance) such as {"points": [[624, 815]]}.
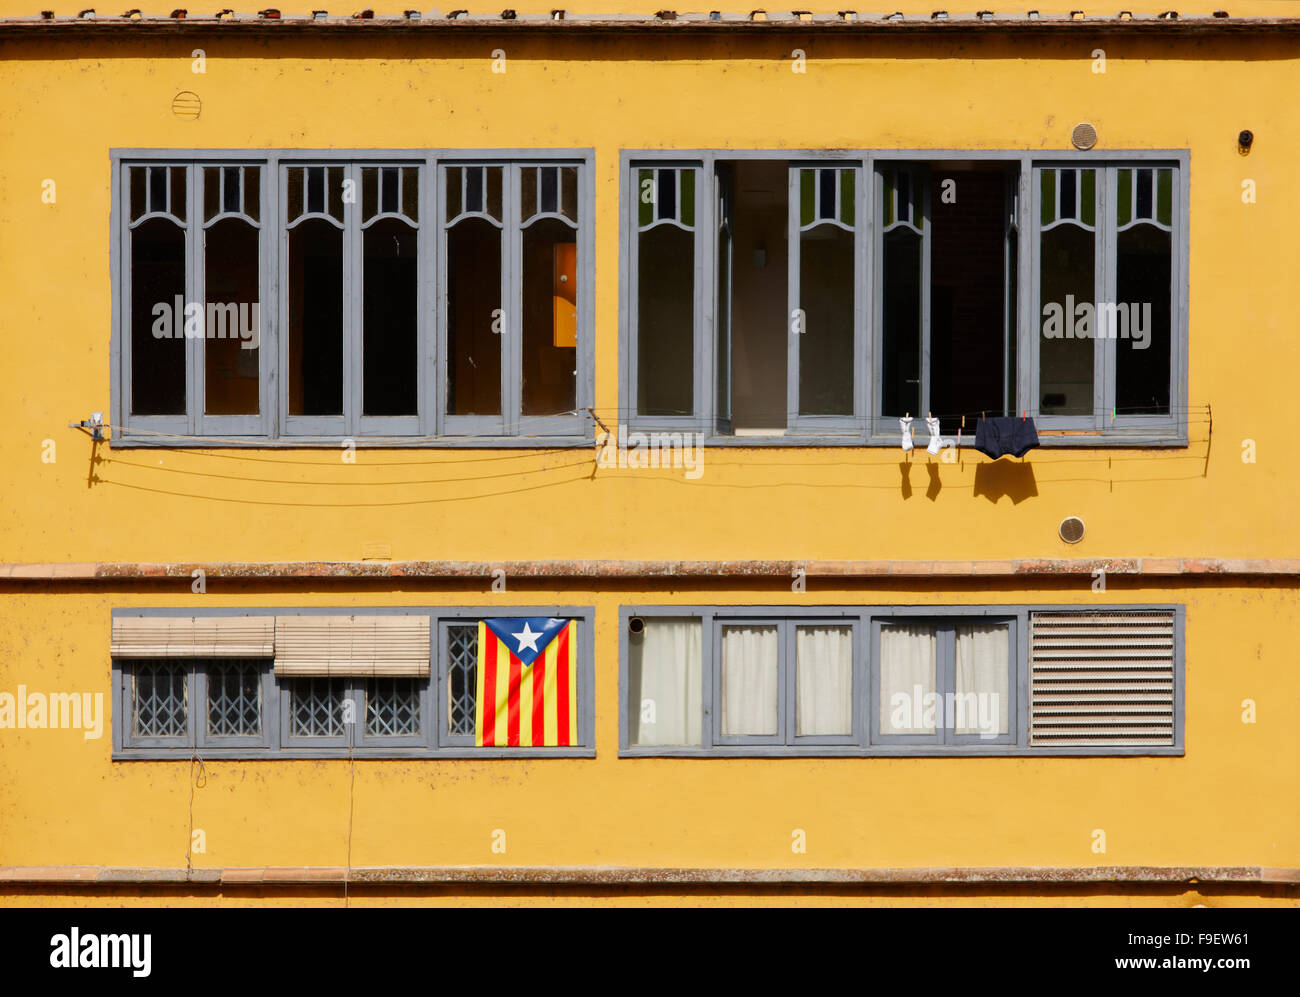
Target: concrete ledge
{"points": [[957, 23], [1157, 567], [645, 876]]}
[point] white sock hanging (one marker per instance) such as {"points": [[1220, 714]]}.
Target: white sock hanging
{"points": [[906, 426], [935, 443]]}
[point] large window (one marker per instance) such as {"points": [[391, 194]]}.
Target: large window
{"points": [[313, 684], [401, 298], [901, 680], [823, 298]]}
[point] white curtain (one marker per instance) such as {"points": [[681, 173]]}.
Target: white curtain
{"points": [[824, 680], [907, 672], [665, 670], [983, 656], [749, 680]]}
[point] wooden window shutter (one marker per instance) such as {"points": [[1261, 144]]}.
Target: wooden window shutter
{"points": [[193, 637], [352, 645], [1102, 678]]}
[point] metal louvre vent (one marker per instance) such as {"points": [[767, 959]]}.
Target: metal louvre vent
{"points": [[1101, 678]]}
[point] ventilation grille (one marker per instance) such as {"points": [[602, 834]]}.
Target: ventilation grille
{"points": [[1102, 678]]}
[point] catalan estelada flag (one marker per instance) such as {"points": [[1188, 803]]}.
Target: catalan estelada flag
{"points": [[527, 683]]}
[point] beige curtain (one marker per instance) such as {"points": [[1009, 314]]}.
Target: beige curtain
{"points": [[982, 693], [665, 676], [824, 680], [749, 680], [907, 680]]}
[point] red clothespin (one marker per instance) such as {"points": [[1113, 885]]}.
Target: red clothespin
{"points": [[1022, 415]]}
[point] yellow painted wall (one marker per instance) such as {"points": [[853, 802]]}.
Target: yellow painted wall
{"points": [[1232, 800], [68, 105]]}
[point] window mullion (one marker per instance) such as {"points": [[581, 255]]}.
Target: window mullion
{"points": [[354, 301], [794, 244], [268, 320], [706, 272], [1107, 256], [864, 299], [921, 176], [194, 293], [512, 354]]}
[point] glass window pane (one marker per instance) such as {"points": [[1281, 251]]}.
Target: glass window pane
{"points": [[316, 707], [159, 698], [824, 680], [550, 292], [462, 678], [158, 318], [232, 316], [474, 318], [569, 192], [252, 205], [178, 192], [826, 295], [982, 688], [750, 680], [392, 707], [211, 192], [901, 318], [665, 678], [1067, 254], [316, 319], [139, 179], [908, 700], [390, 354], [666, 322], [1141, 322], [411, 192], [235, 698], [369, 193]]}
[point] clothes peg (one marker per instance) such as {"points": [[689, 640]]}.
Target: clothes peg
{"points": [[1112, 414]]}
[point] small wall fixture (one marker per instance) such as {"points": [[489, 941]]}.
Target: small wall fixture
{"points": [[1071, 529], [1245, 140], [1084, 135], [636, 626]]}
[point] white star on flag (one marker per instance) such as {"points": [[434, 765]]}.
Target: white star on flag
{"points": [[526, 638]]}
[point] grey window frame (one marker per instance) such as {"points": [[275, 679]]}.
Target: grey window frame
{"points": [[866, 681], [872, 430], [1105, 280], [124, 715], [195, 422], [273, 427], [278, 741], [787, 676], [945, 681], [270, 712]]}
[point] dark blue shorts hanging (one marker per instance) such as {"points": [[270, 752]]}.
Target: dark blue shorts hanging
{"points": [[1005, 435]]}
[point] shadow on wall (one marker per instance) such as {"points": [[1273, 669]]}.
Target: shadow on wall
{"points": [[1000, 478], [994, 480]]}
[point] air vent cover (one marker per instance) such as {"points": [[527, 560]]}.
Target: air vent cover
{"points": [[1101, 678], [1071, 529], [1084, 136]]}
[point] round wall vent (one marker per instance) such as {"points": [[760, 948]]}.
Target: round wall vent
{"points": [[186, 104], [1084, 136], [1071, 529]]}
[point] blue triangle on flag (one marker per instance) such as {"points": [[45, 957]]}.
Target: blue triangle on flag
{"points": [[526, 636]]}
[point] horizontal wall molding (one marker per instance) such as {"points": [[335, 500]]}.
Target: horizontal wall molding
{"points": [[107, 572], [646, 876], [955, 24]]}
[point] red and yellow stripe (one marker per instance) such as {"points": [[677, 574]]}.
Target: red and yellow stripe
{"points": [[530, 707]]}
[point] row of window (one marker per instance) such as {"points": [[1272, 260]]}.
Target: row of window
{"points": [[449, 297], [694, 681]]}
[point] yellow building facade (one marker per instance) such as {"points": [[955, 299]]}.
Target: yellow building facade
{"points": [[1179, 781]]}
